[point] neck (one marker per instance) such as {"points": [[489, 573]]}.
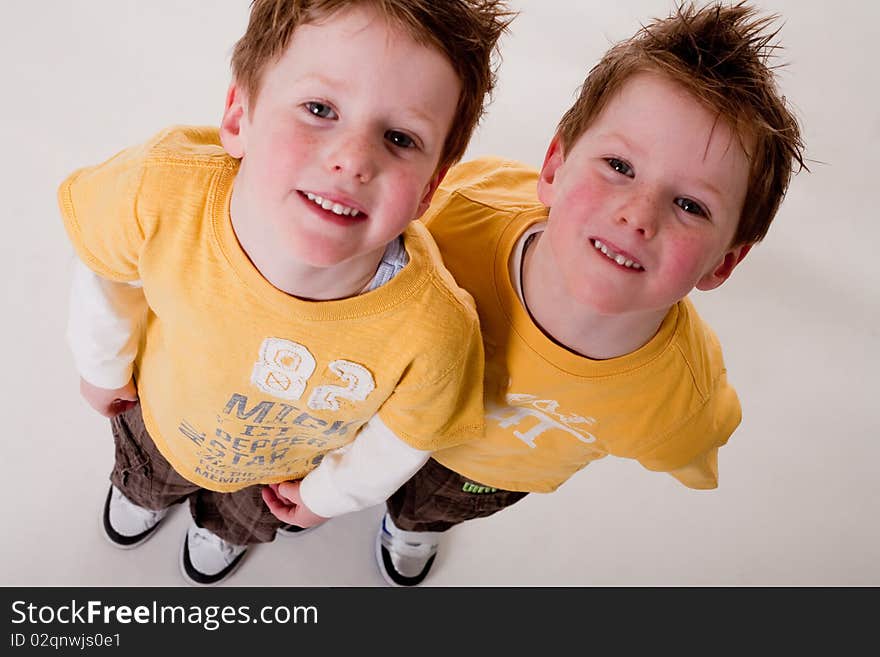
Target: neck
{"points": [[573, 325], [300, 279], [316, 283]]}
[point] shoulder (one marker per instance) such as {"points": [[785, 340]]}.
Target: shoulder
{"points": [[495, 184], [699, 347], [159, 165], [180, 170], [440, 301], [477, 202], [193, 145], [490, 179], [179, 153], [113, 209]]}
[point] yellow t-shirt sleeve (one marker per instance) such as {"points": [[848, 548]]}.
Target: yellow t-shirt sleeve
{"points": [[690, 453], [99, 206], [448, 410], [701, 473]]}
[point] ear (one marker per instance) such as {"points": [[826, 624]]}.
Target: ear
{"points": [[552, 161], [722, 271], [234, 115], [430, 188]]}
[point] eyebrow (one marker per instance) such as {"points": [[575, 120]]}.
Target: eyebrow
{"points": [[619, 137], [321, 79], [709, 187]]}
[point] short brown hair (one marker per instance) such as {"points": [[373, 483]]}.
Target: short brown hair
{"points": [[720, 55], [465, 31]]}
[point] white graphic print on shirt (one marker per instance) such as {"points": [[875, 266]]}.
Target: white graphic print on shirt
{"points": [[522, 411], [285, 367], [259, 439]]}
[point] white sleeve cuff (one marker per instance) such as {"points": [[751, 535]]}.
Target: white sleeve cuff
{"points": [[103, 327], [363, 473]]}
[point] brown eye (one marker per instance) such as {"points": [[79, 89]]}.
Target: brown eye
{"points": [[400, 139], [620, 166], [691, 207]]}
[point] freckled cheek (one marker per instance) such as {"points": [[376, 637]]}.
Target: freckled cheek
{"points": [[584, 197], [685, 258], [578, 213], [283, 165], [286, 151]]}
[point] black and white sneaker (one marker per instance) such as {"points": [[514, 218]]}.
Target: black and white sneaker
{"points": [[206, 559], [125, 524], [404, 558]]}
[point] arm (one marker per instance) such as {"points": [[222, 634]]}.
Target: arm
{"points": [[363, 473], [103, 331]]}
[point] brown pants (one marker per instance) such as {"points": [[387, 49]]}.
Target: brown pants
{"points": [[436, 498], [147, 479]]}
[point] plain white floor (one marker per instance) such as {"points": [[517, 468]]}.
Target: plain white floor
{"points": [[799, 500]]}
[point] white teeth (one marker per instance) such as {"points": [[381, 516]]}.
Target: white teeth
{"points": [[335, 208], [623, 261]]}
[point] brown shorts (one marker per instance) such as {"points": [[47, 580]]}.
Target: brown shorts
{"points": [[436, 498], [148, 480]]}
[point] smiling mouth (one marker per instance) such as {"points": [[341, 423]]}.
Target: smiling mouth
{"points": [[621, 260], [332, 206]]}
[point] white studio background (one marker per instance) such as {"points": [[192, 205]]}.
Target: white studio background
{"points": [[799, 495]]}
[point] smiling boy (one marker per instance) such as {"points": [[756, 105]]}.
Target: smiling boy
{"points": [[667, 169], [255, 306]]}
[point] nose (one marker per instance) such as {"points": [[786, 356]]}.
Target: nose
{"points": [[642, 214], [352, 156]]}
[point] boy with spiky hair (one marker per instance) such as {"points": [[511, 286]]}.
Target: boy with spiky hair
{"points": [[275, 339], [669, 167]]}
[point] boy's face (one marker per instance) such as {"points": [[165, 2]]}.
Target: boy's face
{"points": [[339, 152], [644, 206]]}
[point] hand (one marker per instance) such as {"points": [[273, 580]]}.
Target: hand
{"points": [[285, 503], [109, 402]]}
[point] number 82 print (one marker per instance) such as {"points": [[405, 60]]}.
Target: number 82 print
{"points": [[285, 367]]}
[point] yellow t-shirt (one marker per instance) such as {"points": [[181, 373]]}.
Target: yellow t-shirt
{"points": [[549, 411], [239, 382]]}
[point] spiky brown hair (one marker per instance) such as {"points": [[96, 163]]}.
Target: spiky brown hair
{"points": [[465, 31], [721, 55]]}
